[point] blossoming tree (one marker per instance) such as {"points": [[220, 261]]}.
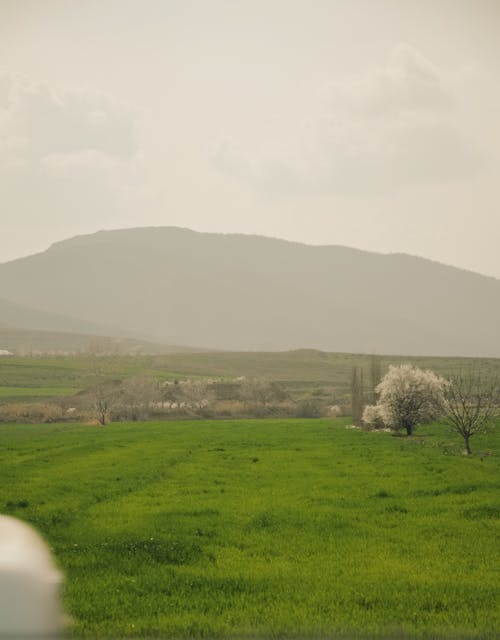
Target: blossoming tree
{"points": [[408, 396]]}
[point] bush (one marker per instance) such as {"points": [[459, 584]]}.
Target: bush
{"points": [[31, 412], [372, 418], [309, 408], [335, 411]]}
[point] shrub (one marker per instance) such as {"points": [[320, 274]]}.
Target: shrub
{"points": [[31, 412], [335, 411], [309, 408], [372, 418]]}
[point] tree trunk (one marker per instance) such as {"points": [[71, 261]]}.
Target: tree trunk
{"points": [[467, 445], [409, 429]]}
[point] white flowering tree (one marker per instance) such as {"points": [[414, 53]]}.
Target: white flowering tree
{"points": [[408, 396]]}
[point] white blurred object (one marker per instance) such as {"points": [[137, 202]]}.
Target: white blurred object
{"points": [[29, 583]]}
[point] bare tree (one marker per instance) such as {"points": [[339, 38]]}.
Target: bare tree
{"points": [[137, 394], [197, 394], [103, 398], [262, 393], [471, 404]]}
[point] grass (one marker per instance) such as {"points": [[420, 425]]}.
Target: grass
{"points": [[262, 528], [27, 379], [29, 393], [302, 371]]}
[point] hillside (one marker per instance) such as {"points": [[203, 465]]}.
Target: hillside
{"points": [[31, 341], [247, 292], [24, 317]]}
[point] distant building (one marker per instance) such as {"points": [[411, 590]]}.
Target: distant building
{"points": [[4, 352]]}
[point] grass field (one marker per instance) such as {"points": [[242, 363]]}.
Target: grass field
{"points": [[300, 371], [34, 393], [262, 528]]}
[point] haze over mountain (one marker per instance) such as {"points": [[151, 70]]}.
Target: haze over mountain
{"points": [[25, 317], [250, 292], [40, 342]]}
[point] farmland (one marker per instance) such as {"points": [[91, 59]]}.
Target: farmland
{"points": [[301, 372], [264, 528]]}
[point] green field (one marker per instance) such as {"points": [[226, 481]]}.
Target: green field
{"points": [[266, 528], [301, 372], [34, 393]]}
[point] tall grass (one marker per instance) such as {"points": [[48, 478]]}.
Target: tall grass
{"points": [[262, 528]]}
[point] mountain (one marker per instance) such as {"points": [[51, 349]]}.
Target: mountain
{"points": [[249, 292]]}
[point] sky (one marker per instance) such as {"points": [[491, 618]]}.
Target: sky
{"points": [[368, 123]]}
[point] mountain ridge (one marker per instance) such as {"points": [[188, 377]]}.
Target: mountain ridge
{"points": [[398, 254], [250, 292]]}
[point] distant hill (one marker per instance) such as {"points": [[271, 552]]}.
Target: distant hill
{"points": [[248, 292], [29, 341], [22, 316]]}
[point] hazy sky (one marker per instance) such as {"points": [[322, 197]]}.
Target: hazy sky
{"points": [[372, 123]]}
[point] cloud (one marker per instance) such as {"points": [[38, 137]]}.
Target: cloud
{"points": [[409, 83], [69, 159], [383, 130], [64, 120]]}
